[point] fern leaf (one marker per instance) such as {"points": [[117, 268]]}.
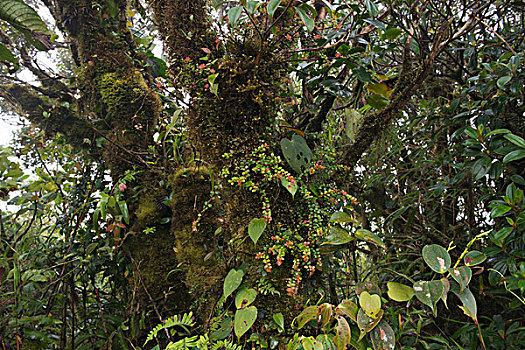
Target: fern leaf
{"points": [[185, 321]]}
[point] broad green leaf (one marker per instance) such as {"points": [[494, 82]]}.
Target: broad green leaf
{"points": [[366, 235], [347, 308], [515, 139], [429, 292], [371, 304], [342, 333], [399, 292], [234, 14], [469, 303], [307, 20], [383, 337], [392, 33], [232, 282], [297, 153], [377, 101], [272, 6], [462, 275], [279, 320], [340, 216], [6, 55], [22, 16], [308, 314], [503, 80], [367, 323], [437, 258], [245, 297], [244, 319], [499, 210], [380, 89], [474, 258], [256, 229], [338, 235], [514, 155], [290, 186]]}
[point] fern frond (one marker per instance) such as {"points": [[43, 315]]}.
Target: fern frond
{"points": [[185, 321]]}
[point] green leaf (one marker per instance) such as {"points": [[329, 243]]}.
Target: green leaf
{"points": [[392, 33], [503, 80], [279, 320], [290, 186], [244, 319], [399, 292], [234, 14], [245, 297], [309, 314], [326, 313], [474, 258], [383, 337], [499, 210], [347, 308], [437, 258], [22, 16], [256, 229], [514, 155], [6, 55], [371, 304], [124, 211], [272, 6], [429, 292], [469, 303], [462, 275], [340, 216], [367, 323], [342, 333], [224, 331], [372, 8], [252, 6], [338, 235], [307, 20], [369, 237], [297, 153], [232, 282], [377, 101]]}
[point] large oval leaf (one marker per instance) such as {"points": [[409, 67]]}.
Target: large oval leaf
{"points": [[342, 333], [256, 229], [234, 14], [437, 258], [348, 308], [244, 319], [399, 292], [370, 303], [429, 292], [462, 275], [232, 282], [309, 314], [367, 323], [474, 258], [245, 297]]}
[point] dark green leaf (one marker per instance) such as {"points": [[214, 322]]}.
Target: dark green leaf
{"points": [[307, 20], [272, 6], [234, 14]]}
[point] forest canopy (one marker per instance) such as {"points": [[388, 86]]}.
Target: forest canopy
{"points": [[265, 174]]}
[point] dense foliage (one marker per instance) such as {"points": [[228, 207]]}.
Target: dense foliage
{"points": [[288, 174]]}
